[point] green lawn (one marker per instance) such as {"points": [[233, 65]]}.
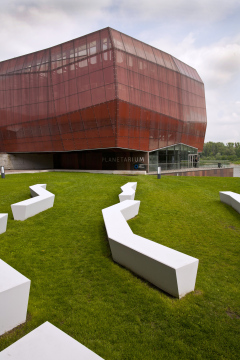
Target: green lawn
{"points": [[77, 287]]}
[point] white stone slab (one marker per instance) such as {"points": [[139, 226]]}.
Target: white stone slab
{"points": [[128, 191], [47, 342], [14, 294], [3, 223], [115, 219], [235, 202], [230, 198], [36, 190], [225, 197], [41, 200], [168, 269]]}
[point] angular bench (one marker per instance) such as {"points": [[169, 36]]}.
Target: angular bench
{"points": [[168, 269], [41, 200], [3, 223], [14, 294], [47, 342], [230, 198], [128, 191]]}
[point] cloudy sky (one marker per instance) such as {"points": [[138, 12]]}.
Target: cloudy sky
{"points": [[203, 33]]}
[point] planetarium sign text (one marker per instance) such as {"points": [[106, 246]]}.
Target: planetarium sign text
{"points": [[129, 159]]}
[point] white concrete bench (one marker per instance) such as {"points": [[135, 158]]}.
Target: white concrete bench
{"points": [[47, 342], [168, 269], [3, 223], [128, 191], [14, 294], [41, 200], [230, 198]]}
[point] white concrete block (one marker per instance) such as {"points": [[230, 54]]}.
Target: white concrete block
{"points": [[115, 219], [128, 191], [235, 202], [14, 294], [36, 190], [168, 269], [230, 198], [41, 200], [47, 342], [225, 197], [3, 223]]}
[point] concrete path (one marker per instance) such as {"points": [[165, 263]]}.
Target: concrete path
{"points": [[236, 171]]}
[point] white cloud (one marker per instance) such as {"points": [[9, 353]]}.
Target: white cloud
{"points": [[219, 63], [191, 11], [28, 26]]}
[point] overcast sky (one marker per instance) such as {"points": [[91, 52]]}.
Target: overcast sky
{"points": [[203, 33]]}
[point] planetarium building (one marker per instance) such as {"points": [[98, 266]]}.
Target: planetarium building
{"points": [[103, 101]]}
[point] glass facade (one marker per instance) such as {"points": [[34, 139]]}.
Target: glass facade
{"points": [[172, 157], [103, 90]]}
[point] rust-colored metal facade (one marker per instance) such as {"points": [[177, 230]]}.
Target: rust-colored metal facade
{"points": [[104, 90]]}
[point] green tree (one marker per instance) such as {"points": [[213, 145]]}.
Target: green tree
{"points": [[220, 151], [237, 149]]}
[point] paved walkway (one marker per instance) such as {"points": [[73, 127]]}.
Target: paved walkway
{"points": [[116, 172], [236, 171]]}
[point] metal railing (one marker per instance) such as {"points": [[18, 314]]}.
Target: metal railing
{"points": [[214, 163], [184, 164]]}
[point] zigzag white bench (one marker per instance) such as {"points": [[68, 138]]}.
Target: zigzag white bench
{"points": [[47, 342], [128, 191], [230, 198], [3, 223], [14, 294], [168, 269], [41, 200]]}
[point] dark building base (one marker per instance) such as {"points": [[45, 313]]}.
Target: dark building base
{"points": [[110, 159]]}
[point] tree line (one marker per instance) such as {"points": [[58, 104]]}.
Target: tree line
{"points": [[220, 151]]}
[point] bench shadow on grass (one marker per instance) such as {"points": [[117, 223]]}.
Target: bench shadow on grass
{"points": [[18, 331], [141, 279]]}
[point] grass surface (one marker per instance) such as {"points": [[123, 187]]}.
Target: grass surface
{"points": [[77, 287]]}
